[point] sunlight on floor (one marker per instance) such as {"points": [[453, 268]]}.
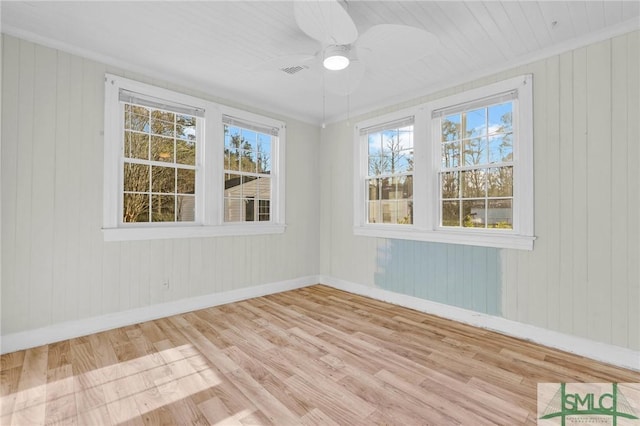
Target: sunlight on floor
{"points": [[121, 391]]}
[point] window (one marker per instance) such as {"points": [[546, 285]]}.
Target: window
{"points": [[159, 163], [389, 179], [471, 170], [476, 174], [171, 171], [247, 170]]}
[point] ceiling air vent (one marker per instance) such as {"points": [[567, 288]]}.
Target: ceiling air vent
{"points": [[294, 69]]}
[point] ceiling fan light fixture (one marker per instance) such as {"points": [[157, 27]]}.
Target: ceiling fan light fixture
{"points": [[335, 58]]}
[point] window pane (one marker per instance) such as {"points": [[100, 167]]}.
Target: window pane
{"points": [[500, 214], [501, 148], [163, 208], [232, 185], [186, 208], [264, 188], [249, 140], [136, 118], [136, 145], [500, 118], [232, 137], [500, 182], [390, 142], [473, 184], [450, 213], [375, 144], [475, 151], [135, 208], [451, 154], [231, 160], [247, 161], [402, 161], [163, 179], [264, 143], [405, 212], [249, 187], [450, 182], [387, 188], [161, 149], [473, 212], [163, 123], [232, 209], [451, 128], [249, 209], [405, 187], [186, 152], [405, 138], [389, 211], [186, 181], [136, 177], [374, 214], [373, 205], [186, 127], [379, 165], [476, 123], [264, 210], [373, 189], [264, 162]]}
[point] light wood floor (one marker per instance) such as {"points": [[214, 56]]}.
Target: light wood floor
{"points": [[314, 356]]}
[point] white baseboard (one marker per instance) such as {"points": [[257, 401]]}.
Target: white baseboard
{"points": [[615, 355], [71, 329], [622, 357]]}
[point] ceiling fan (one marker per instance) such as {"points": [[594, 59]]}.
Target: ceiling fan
{"points": [[345, 55]]}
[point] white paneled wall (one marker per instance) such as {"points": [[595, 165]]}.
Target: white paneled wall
{"points": [[583, 276], [55, 265]]}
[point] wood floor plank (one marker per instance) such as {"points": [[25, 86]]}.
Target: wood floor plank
{"points": [[311, 356]]}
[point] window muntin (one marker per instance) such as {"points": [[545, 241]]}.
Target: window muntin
{"points": [[389, 181], [247, 173], [479, 168], [158, 165], [164, 152], [476, 175]]}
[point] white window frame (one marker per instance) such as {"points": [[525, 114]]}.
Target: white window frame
{"points": [[209, 178], [427, 163]]}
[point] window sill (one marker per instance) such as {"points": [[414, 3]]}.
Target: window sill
{"points": [[481, 239], [194, 231]]}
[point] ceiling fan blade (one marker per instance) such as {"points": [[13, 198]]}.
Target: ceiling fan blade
{"points": [[390, 45], [346, 81], [284, 63], [325, 21]]}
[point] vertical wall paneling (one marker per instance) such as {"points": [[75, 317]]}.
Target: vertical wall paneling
{"points": [[23, 224], [599, 146], [536, 261], [111, 296], [552, 174], [633, 187], [565, 189], [43, 181], [619, 198], [583, 275], [579, 193], [62, 181], [56, 266], [582, 278], [12, 299], [456, 275]]}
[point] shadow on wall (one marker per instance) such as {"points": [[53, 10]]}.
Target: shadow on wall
{"points": [[458, 275]]}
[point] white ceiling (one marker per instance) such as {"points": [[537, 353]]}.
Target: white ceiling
{"points": [[228, 48]]}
